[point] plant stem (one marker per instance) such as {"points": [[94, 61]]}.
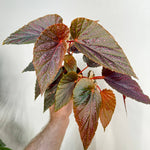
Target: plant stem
{"points": [[98, 88], [98, 77], [83, 70]]}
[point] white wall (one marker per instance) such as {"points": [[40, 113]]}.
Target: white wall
{"points": [[21, 118]]}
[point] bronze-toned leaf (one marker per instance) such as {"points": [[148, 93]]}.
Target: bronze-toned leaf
{"points": [[99, 45], [49, 52], [70, 63], [87, 101], [30, 32], [65, 89], [107, 106]]}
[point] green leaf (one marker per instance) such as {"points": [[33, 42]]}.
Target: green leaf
{"points": [[87, 101], [30, 67], [30, 32], [37, 90], [49, 95], [107, 106], [70, 63], [49, 52], [65, 89], [99, 45], [2, 143], [4, 148]]}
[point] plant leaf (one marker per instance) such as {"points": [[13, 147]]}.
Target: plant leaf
{"points": [[89, 62], [125, 85], [37, 90], [49, 95], [30, 67], [4, 148], [65, 89], [70, 63], [107, 106], [49, 52], [2, 143], [30, 32], [74, 50], [99, 45], [87, 100]]}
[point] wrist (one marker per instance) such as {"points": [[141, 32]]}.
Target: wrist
{"points": [[63, 120]]}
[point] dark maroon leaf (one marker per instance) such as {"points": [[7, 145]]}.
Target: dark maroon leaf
{"points": [[37, 90], [86, 100], [107, 106], [99, 45], [124, 100], [125, 85], [30, 67], [49, 52], [70, 63], [65, 89], [74, 49], [30, 32], [89, 62]]}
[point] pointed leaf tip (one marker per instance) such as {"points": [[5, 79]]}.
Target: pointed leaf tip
{"points": [[107, 107], [99, 46], [87, 101], [30, 32], [30, 67], [48, 54]]}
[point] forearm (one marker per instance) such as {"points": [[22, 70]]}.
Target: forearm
{"points": [[51, 137]]}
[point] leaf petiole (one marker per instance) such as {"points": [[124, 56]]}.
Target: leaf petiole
{"points": [[83, 70], [98, 77]]}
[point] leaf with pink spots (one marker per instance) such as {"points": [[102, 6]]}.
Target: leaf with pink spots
{"points": [[99, 45], [86, 100], [48, 54], [30, 32]]}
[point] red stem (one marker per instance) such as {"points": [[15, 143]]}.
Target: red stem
{"points": [[99, 88], [70, 41], [98, 77], [83, 70]]}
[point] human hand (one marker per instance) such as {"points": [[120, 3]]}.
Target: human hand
{"points": [[62, 114]]}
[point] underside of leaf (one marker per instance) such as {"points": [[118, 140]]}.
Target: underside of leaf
{"points": [[86, 100], [30, 67], [99, 46], [37, 90], [30, 32], [49, 52], [125, 85]]}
